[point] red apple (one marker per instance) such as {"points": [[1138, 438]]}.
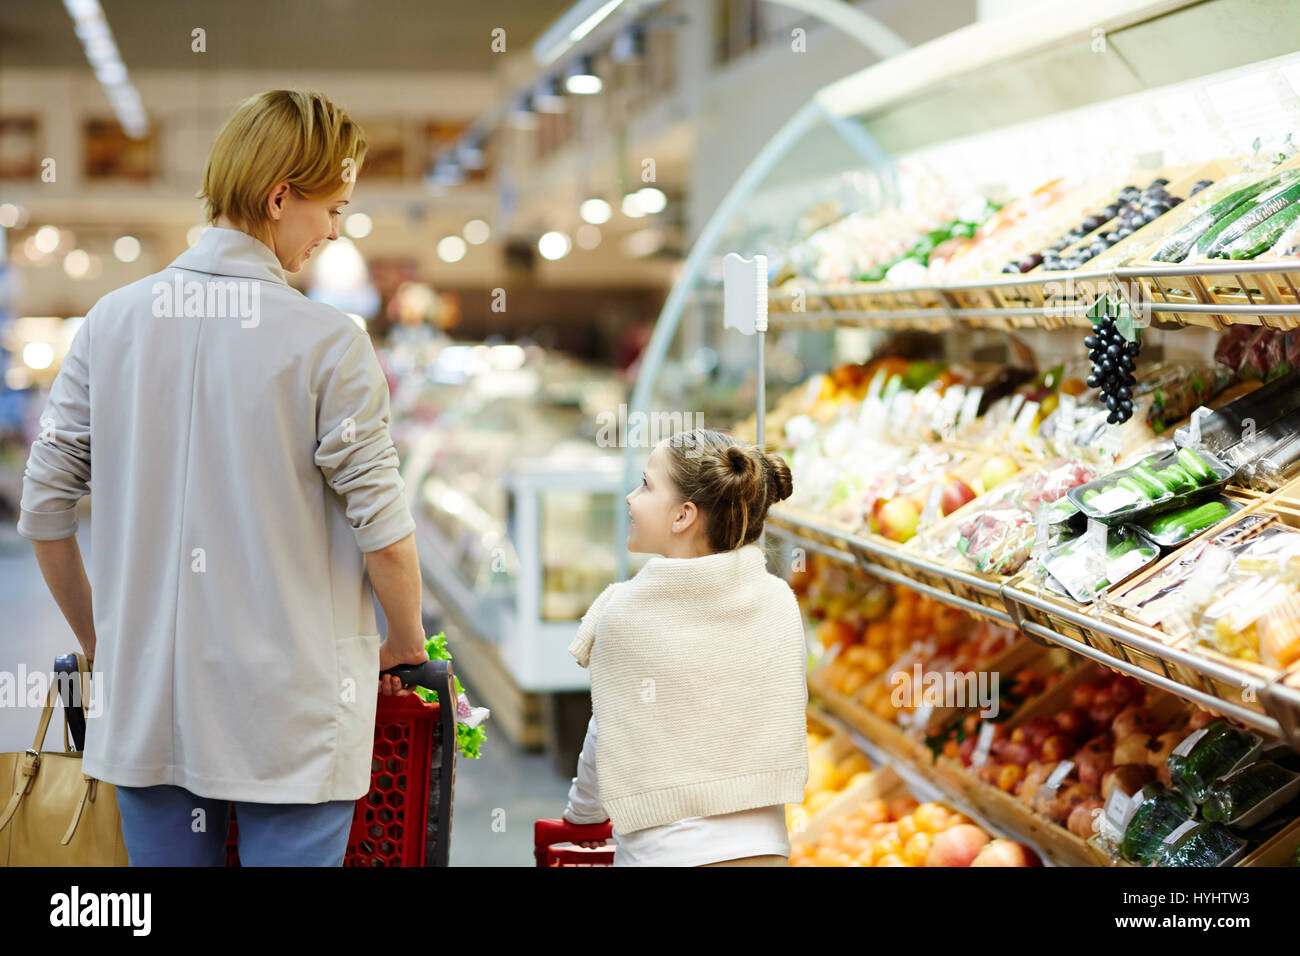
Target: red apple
{"points": [[898, 519], [1005, 853], [1074, 722], [955, 494]]}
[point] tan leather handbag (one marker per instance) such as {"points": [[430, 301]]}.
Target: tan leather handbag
{"points": [[55, 815]]}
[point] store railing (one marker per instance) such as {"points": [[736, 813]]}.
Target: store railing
{"points": [[1102, 640]]}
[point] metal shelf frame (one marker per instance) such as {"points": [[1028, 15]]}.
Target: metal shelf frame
{"points": [[1280, 702]]}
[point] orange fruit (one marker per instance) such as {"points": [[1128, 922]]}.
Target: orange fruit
{"points": [[931, 817], [915, 850]]}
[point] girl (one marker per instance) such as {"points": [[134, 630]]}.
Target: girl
{"points": [[697, 670]]}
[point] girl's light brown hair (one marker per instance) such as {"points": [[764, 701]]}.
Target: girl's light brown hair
{"points": [[733, 484], [291, 135]]}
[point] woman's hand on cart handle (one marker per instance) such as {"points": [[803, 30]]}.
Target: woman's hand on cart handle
{"points": [[389, 684]]}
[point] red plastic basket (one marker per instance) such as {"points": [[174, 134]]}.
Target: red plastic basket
{"points": [[390, 825], [548, 833]]}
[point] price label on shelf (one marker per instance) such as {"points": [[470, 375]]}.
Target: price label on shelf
{"points": [[980, 755], [1055, 779], [921, 716], [970, 406], [930, 513], [1110, 442], [1066, 406], [1024, 420]]}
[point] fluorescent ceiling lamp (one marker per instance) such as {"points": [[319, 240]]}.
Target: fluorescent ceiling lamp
{"points": [[578, 21], [96, 39], [582, 79]]}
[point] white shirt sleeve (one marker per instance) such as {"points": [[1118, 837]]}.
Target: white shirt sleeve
{"points": [[58, 466], [584, 796]]}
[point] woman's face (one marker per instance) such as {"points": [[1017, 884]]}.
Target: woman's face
{"points": [[303, 224], [660, 521]]}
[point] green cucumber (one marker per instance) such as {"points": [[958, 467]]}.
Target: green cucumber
{"points": [[1177, 246], [1177, 477], [1196, 466], [1121, 549], [1262, 237], [1201, 518], [1265, 207], [1145, 474], [1190, 521], [1089, 494], [1133, 486]]}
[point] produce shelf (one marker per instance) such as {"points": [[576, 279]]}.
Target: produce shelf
{"points": [[1176, 294], [1197, 678]]}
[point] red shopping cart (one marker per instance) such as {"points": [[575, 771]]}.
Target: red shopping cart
{"points": [[405, 819], [553, 843]]}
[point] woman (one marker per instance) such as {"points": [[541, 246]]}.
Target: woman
{"points": [[242, 466]]}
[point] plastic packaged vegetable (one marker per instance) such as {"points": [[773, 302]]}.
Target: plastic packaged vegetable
{"points": [[1158, 483], [1085, 570], [1200, 844], [1246, 796], [1174, 528], [1158, 813], [1208, 754]]}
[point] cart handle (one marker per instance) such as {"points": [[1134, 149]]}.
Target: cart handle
{"points": [[549, 832]]}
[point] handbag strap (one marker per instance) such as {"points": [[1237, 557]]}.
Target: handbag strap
{"points": [[31, 760]]}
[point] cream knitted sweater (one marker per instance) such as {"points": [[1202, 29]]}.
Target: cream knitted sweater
{"points": [[698, 686]]}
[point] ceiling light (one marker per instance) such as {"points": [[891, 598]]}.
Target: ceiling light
{"points": [[47, 239], [9, 214], [588, 236], [582, 79], [554, 245], [451, 248], [632, 206], [38, 355], [126, 248], [96, 38], [358, 225], [578, 21], [651, 200], [595, 211], [476, 232]]}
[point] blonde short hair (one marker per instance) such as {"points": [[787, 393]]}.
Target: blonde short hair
{"points": [[289, 135]]}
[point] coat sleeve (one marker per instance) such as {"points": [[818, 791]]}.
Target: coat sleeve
{"points": [[58, 466], [586, 637], [355, 452]]}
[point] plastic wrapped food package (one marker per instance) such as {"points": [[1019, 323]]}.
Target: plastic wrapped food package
{"points": [[1245, 605]]}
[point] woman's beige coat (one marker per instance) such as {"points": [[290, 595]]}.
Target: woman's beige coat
{"points": [[241, 465]]}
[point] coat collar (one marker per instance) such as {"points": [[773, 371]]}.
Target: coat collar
{"points": [[231, 252]]}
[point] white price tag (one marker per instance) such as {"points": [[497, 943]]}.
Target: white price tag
{"points": [[1125, 565], [1114, 816], [1013, 409], [1112, 499], [1055, 779], [1024, 420], [930, 513], [921, 716], [980, 755], [1097, 534], [970, 406], [1066, 407], [1111, 441]]}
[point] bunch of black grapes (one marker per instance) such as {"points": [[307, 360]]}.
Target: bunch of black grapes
{"points": [[1113, 360]]}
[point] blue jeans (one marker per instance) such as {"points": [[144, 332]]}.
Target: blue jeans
{"points": [[160, 827]]}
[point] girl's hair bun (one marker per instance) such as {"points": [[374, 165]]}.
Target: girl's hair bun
{"points": [[779, 480], [731, 483]]}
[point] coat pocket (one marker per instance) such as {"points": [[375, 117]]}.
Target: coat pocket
{"points": [[358, 681]]}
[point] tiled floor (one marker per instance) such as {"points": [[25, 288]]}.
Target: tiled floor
{"points": [[497, 796]]}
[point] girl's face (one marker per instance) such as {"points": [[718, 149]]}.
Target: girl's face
{"points": [[661, 523]]}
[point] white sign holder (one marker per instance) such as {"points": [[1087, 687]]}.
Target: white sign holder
{"points": [[744, 308]]}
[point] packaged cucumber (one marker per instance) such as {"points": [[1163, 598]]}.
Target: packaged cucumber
{"points": [[1200, 844], [1247, 796], [1084, 572], [1159, 813], [1175, 528], [1245, 219], [1225, 197], [1212, 752], [1159, 483]]}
